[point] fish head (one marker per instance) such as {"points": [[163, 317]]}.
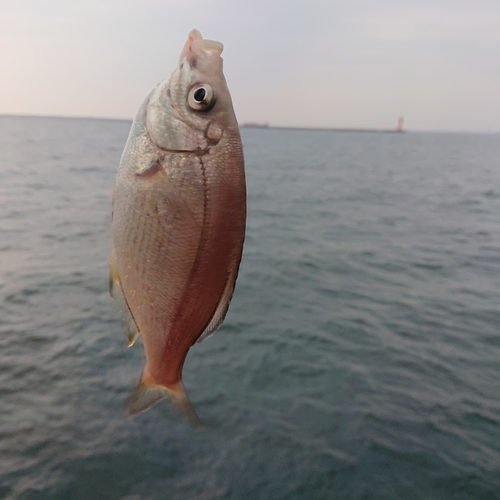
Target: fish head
{"points": [[192, 109]]}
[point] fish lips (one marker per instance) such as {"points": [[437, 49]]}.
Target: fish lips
{"points": [[196, 49]]}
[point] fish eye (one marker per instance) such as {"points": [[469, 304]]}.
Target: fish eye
{"points": [[201, 97]]}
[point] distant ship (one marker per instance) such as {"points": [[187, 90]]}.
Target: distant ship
{"points": [[399, 127], [255, 125]]}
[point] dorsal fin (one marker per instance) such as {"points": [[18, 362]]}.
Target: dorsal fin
{"points": [[221, 309], [115, 290]]}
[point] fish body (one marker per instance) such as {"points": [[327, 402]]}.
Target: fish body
{"points": [[178, 226]]}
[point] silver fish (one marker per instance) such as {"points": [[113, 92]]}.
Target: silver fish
{"points": [[179, 211]]}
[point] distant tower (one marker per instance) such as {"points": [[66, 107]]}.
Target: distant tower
{"points": [[399, 127]]}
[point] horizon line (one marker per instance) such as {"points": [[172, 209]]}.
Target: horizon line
{"points": [[266, 125]]}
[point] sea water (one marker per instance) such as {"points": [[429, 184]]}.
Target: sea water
{"points": [[360, 357]]}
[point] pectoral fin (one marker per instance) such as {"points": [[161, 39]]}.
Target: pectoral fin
{"points": [[149, 167], [115, 290]]}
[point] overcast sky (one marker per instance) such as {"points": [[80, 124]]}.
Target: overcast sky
{"points": [[326, 63]]}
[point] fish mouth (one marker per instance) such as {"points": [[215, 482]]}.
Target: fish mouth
{"points": [[197, 46]]}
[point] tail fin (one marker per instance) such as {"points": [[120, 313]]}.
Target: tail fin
{"points": [[144, 397]]}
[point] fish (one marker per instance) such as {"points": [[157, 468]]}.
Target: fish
{"points": [[178, 221]]}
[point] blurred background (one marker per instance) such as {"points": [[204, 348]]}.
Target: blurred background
{"points": [[328, 63], [360, 358]]}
